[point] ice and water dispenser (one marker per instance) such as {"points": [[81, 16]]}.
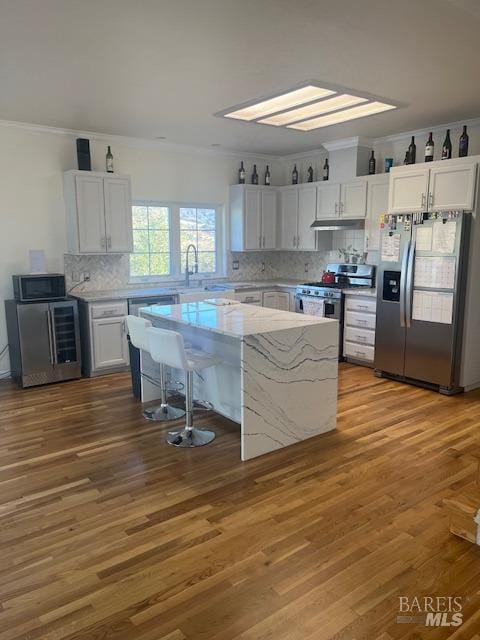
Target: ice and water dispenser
{"points": [[391, 286]]}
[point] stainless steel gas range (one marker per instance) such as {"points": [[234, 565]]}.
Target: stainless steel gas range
{"points": [[327, 299]]}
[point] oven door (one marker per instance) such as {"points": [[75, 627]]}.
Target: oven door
{"points": [[333, 308]]}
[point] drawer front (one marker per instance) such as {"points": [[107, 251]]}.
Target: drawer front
{"points": [[363, 336], [108, 309], [356, 303], [254, 297], [359, 351], [361, 320]]}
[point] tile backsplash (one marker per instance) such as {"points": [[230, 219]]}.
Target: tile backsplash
{"points": [[113, 271]]}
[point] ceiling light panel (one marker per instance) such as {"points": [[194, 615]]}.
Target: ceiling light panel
{"points": [[360, 111], [325, 106], [280, 103]]}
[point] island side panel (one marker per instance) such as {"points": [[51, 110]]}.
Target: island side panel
{"points": [[289, 387]]}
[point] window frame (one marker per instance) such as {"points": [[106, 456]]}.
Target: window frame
{"points": [[174, 241]]}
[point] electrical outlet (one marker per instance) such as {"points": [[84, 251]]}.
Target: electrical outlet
{"points": [[76, 276], [263, 266], [86, 276], [306, 267], [235, 265]]}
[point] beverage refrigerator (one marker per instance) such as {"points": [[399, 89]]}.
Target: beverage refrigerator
{"points": [[421, 285]]}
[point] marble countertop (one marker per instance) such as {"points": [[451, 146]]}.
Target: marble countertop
{"points": [[152, 292], [234, 320]]}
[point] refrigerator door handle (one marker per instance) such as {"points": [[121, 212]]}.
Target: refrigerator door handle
{"points": [[54, 339], [49, 329], [403, 273], [409, 286]]}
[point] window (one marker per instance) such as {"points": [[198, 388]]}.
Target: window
{"points": [[151, 241], [162, 233]]}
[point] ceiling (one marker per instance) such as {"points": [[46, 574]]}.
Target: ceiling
{"points": [[152, 68]]}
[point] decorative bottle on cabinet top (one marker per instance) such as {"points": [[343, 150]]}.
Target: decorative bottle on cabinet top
{"points": [[254, 175], [267, 176], [241, 174], [109, 160], [295, 175], [463, 143], [447, 147], [372, 164], [326, 170], [310, 174], [429, 148]]}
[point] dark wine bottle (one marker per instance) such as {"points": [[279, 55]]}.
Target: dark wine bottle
{"points": [[295, 175], [412, 151], [254, 175], [463, 144], [267, 176], [407, 159], [326, 170], [310, 174], [241, 174], [372, 164], [429, 148], [447, 147], [109, 160]]}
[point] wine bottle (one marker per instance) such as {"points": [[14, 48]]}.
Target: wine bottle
{"points": [[310, 174], [295, 175], [109, 160], [267, 176], [463, 144], [429, 148], [254, 175], [326, 170], [407, 158], [412, 151], [241, 174], [372, 164], [447, 147]]}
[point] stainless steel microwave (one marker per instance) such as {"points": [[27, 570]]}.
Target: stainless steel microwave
{"points": [[39, 287]]}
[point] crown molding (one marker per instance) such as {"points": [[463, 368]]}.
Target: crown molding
{"points": [[397, 137], [348, 143], [136, 143]]}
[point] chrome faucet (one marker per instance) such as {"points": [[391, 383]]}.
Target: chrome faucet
{"points": [[189, 273]]}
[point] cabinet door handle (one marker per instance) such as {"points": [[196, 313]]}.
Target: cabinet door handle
{"points": [[102, 242], [336, 208], [264, 241], [293, 241], [430, 199], [109, 242], [260, 241], [423, 200]]}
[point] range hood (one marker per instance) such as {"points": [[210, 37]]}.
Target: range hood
{"points": [[338, 224]]}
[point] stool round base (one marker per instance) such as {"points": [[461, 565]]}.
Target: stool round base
{"points": [[163, 413], [194, 437]]}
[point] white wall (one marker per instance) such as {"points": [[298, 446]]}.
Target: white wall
{"points": [[32, 213]]}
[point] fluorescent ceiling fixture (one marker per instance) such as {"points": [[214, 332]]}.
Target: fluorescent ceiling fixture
{"points": [[285, 101], [331, 104], [342, 116]]}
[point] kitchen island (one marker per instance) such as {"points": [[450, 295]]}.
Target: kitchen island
{"points": [[278, 374]]}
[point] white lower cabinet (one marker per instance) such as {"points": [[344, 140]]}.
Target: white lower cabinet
{"points": [[107, 334], [359, 329], [276, 300]]}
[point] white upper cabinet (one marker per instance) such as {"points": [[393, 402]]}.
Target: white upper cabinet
{"points": [[253, 221], [328, 199], [253, 217], [408, 189], [377, 204], [307, 208], [438, 186], [269, 219], [347, 200], [89, 207], [452, 186], [288, 217], [99, 212], [353, 199], [118, 215]]}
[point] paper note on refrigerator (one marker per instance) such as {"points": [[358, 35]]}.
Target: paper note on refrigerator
{"points": [[424, 238], [444, 236], [435, 273], [430, 306], [391, 248]]}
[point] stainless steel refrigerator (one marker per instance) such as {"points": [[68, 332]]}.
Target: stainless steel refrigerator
{"points": [[420, 298], [44, 341]]}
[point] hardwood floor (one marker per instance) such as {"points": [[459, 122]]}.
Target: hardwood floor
{"points": [[108, 533]]}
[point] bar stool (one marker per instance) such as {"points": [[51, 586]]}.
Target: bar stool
{"points": [[168, 347], [137, 329]]}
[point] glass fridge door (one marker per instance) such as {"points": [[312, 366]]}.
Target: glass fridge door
{"points": [[65, 333]]}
